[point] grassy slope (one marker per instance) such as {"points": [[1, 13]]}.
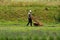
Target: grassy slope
{"points": [[10, 16], [20, 13], [30, 2], [16, 16], [17, 11]]}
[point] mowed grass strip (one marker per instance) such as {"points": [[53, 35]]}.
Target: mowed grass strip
{"points": [[25, 29]]}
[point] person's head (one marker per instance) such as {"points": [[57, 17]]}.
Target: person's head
{"points": [[30, 11]]}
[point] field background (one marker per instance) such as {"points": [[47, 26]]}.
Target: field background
{"points": [[13, 19]]}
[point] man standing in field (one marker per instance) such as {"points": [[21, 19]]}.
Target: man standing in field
{"points": [[29, 18]]}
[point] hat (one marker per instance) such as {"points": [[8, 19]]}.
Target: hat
{"points": [[30, 11]]}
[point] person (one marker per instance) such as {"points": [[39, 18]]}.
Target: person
{"points": [[29, 18]]}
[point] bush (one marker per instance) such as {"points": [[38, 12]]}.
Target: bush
{"points": [[57, 17]]}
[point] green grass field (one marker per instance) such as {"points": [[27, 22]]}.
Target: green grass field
{"points": [[19, 31], [17, 16], [10, 13], [29, 33], [13, 20]]}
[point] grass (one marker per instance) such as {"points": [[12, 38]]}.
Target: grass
{"points": [[13, 20], [30, 2], [29, 33], [8, 13], [23, 24]]}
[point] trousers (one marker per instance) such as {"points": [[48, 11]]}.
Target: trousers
{"points": [[29, 22]]}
